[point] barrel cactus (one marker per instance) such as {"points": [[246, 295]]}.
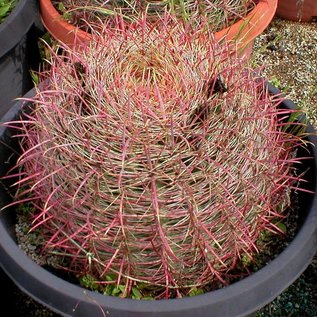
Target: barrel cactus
{"points": [[219, 13], [154, 158]]}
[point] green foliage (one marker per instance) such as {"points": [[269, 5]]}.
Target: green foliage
{"points": [[88, 281], [120, 290], [136, 294], [61, 8], [296, 124], [195, 291], [265, 236], [6, 6], [282, 227], [35, 77], [276, 82], [246, 260], [24, 209]]}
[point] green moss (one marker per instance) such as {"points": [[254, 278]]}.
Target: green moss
{"points": [[6, 6]]}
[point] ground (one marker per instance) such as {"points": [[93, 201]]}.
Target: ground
{"points": [[288, 51]]}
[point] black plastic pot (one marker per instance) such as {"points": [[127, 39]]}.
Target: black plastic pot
{"points": [[18, 52], [242, 298]]}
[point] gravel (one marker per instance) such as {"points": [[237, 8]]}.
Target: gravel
{"points": [[288, 51]]}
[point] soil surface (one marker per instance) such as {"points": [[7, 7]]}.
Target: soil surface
{"points": [[288, 50]]}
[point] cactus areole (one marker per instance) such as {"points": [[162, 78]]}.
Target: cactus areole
{"points": [[154, 160]]}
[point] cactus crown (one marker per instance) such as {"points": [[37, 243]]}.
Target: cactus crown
{"points": [[154, 156]]}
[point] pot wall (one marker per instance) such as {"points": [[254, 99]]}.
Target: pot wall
{"points": [[18, 52], [297, 10]]}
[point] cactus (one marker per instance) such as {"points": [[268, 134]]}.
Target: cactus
{"points": [[155, 157], [219, 13]]}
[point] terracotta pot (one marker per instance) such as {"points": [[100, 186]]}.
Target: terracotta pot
{"points": [[244, 31], [297, 10]]}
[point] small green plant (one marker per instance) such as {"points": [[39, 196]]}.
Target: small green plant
{"points": [[195, 291], [89, 282], [6, 6]]}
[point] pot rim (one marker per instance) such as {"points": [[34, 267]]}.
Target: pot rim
{"points": [[17, 24]]}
